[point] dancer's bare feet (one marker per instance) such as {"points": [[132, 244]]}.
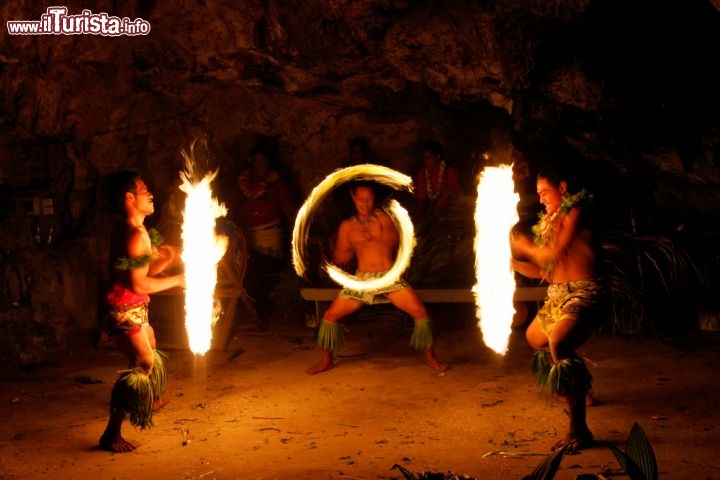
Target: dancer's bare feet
{"points": [[433, 362], [115, 443], [160, 403], [326, 363], [575, 441]]}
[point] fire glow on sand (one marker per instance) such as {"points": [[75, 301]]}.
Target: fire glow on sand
{"points": [[202, 250], [495, 215], [400, 216]]}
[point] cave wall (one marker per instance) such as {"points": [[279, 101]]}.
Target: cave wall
{"points": [[625, 87]]}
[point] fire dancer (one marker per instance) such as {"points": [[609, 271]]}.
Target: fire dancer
{"points": [[564, 252], [371, 238], [137, 259]]}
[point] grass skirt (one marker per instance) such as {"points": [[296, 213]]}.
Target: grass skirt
{"points": [[135, 392], [330, 336], [569, 377], [422, 337]]}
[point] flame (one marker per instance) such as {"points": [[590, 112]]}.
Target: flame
{"points": [[202, 250], [495, 215], [377, 173]]}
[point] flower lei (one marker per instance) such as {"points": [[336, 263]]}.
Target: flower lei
{"points": [[433, 193], [255, 190], [125, 263], [545, 228]]}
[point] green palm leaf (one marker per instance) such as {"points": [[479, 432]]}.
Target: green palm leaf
{"points": [[639, 459], [548, 468], [640, 450]]}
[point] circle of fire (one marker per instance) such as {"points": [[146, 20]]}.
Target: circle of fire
{"points": [[399, 215]]}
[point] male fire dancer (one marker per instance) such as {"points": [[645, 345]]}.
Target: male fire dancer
{"points": [[136, 260], [371, 238], [564, 251]]}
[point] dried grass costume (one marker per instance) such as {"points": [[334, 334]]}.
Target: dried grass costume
{"points": [[136, 389], [580, 300], [330, 335]]}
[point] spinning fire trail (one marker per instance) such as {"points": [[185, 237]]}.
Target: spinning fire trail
{"points": [[400, 216], [202, 250], [495, 215]]}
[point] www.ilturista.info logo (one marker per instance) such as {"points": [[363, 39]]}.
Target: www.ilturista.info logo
{"points": [[56, 21]]}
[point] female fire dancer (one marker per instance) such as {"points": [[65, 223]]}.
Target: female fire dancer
{"points": [[564, 251]]}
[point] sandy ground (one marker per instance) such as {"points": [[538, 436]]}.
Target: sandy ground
{"points": [[252, 413]]}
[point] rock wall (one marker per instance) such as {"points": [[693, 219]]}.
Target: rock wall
{"points": [[628, 86]]}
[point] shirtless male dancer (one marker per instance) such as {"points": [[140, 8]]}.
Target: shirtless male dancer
{"points": [[564, 252], [372, 239], [136, 260]]}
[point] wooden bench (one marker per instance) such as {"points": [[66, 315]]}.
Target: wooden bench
{"points": [[429, 295]]}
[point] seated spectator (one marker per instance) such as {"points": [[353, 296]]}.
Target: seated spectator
{"points": [[263, 207], [437, 182]]}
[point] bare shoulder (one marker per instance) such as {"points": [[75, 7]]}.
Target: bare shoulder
{"points": [[385, 221], [137, 234], [345, 224], [574, 225], [382, 215], [345, 227], [573, 216], [138, 242]]}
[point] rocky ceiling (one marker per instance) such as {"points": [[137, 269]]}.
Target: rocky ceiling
{"points": [[631, 85]]}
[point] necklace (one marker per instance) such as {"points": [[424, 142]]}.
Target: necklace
{"points": [[434, 190], [544, 230], [364, 222]]}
